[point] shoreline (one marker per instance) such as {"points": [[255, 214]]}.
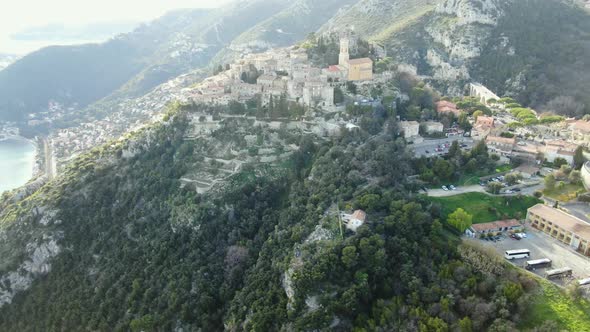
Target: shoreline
{"points": [[36, 170]]}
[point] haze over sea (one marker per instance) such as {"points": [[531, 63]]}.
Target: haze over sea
{"points": [[17, 160]]}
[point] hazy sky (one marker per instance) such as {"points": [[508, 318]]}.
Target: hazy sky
{"points": [[16, 15]]}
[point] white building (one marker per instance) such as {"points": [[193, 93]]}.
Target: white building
{"points": [[432, 127], [410, 129]]}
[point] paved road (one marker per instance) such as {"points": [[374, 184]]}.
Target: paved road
{"points": [[542, 245], [49, 162], [460, 190], [439, 192], [431, 144]]}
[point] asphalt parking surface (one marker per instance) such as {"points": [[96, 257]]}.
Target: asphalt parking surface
{"points": [[542, 245]]}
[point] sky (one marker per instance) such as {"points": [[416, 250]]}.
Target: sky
{"points": [[16, 15]]}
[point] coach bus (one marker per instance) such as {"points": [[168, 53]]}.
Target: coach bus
{"points": [[519, 253], [537, 264], [558, 273]]}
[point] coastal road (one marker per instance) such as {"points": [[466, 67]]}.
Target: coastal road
{"points": [[49, 162]]}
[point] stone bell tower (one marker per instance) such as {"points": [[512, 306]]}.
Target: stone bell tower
{"points": [[344, 56]]}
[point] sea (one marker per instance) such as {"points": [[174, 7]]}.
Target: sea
{"points": [[17, 162]]}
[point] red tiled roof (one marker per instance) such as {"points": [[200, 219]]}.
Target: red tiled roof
{"points": [[334, 68], [360, 215]]}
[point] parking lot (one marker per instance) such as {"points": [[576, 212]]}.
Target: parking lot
{"points": [[429, 147], [543, 246]]}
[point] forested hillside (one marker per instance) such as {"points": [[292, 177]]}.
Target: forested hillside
{"points": [[116, 243], [540, 53]]}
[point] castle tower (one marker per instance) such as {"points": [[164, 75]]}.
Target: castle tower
{"points": [[344, 56]]}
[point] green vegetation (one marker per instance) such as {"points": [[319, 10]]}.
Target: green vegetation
{"points": [[563, 192], [553, 304], [486, 208], [460, 219], [551, 63], [145, 254]]}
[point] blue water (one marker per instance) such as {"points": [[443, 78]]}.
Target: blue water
{"points": [[17, 159]]}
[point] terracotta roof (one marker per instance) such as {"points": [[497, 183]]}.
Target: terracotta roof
{"points": [[562, 144], [499, 139], [564, 220], [442, 103], [581, 125], [359, 215], [334, 68], [485, 121], [360, 61], [495, 225]]}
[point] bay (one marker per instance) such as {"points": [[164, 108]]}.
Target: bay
{"points": [[17, 160]]}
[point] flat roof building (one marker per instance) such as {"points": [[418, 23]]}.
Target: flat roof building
{"points": [[562, 226]]}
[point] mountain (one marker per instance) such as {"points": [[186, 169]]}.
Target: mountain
{"points": [[176, 228], [7, 59], [82, 74], [130, 64], [511, 46], [534, 50]]}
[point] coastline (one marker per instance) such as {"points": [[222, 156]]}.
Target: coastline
{"points": [[37, 160]]}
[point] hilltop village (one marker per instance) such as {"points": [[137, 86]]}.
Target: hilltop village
{"points": [[284, 72]]}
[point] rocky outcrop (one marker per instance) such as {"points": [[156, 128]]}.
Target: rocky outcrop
{"points": [[36, 264]]}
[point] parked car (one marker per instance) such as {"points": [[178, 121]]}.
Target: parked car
{"points": [[445, 188], [452, 187], [427, 151], [516, 189]]}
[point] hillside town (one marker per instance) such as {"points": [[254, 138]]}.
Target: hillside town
{"points": [[287, 74]]}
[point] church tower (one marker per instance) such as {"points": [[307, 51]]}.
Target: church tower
{"points": [[344, 56]]}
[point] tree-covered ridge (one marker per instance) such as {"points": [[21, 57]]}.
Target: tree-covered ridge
{"points": [[262, 252]]}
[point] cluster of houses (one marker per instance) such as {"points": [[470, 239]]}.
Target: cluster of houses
{"points": [[283, 72]]}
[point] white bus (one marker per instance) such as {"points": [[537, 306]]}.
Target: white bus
{"points": [[519, 253], [558, 273], [537, 264]]}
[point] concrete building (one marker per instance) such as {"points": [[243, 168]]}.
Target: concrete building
{"points": [[318, 93], [478, 230], [501, 145], [562, 226], [433, 127], [411, 129]]}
